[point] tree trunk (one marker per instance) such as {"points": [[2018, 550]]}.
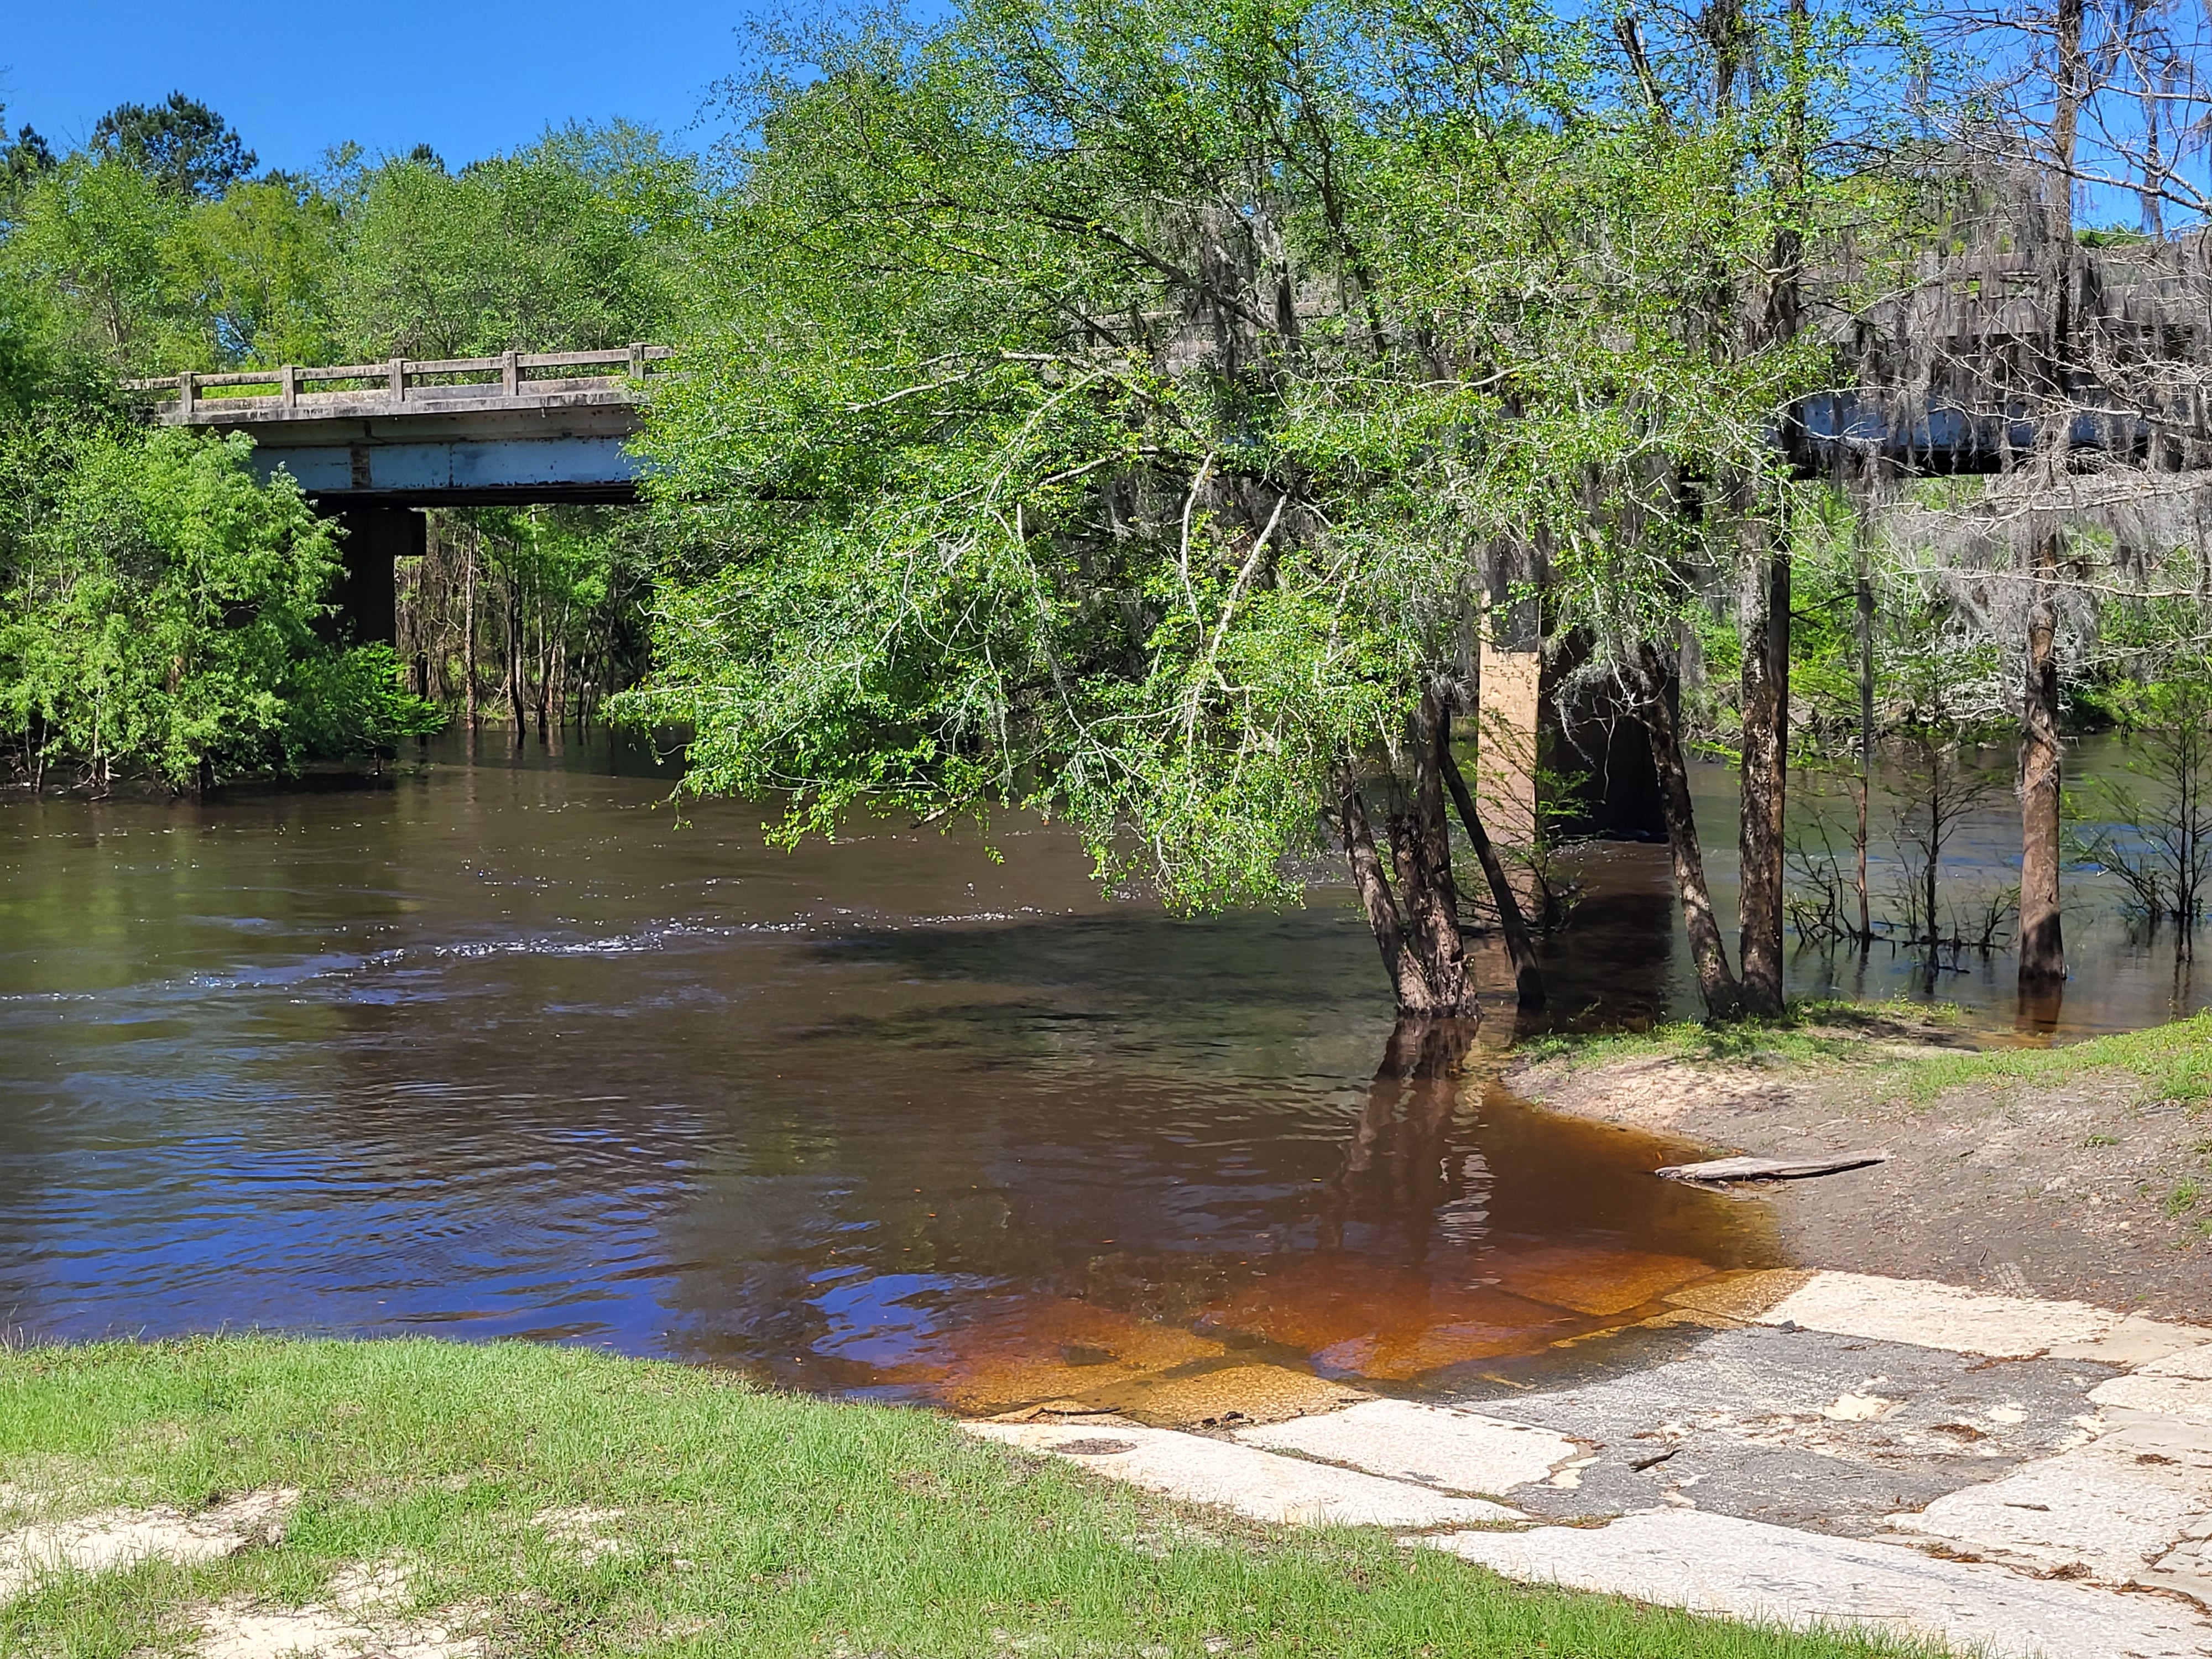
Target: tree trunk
{"points": [[1717, 984], [1416, 928], [1420, 847], [1866, 735], [1382, 918], [468, 629], [1528, 975], [2042, 946], [1764, 608], [1765, 620], [514, 656]]}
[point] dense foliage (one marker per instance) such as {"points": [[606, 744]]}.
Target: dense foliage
{"points": [[1131, 412], [161, 616], [170, 618]]}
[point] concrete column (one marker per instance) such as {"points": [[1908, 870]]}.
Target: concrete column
{"points": [[1506, 748], [374, 537], [1510, 710]]}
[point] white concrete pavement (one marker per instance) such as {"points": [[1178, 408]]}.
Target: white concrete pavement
{"points": [[2076, 1525]]}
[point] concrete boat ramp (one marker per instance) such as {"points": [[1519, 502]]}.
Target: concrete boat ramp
{"points": [[2002, 1475]]}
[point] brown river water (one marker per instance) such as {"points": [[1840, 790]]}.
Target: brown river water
{"points": [[510, 1047]]}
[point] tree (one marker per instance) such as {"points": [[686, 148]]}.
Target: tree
{"points": [[23, 159], [180, 143], [159, 616], [261, 264], [574, 243], [1739, 158], [1065, 447], [2161, 845], [95, 241], [2067, 104]]}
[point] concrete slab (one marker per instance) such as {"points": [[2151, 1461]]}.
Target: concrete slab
{"points": [[1257, 1484], [2100, 1511], [2186, 1570], [2139, 1341], [1742, 1296], [1933, 1315], [2195, 1362], [1800, 1428], [1433, 1445], [1594, 1281], [2185, 1397], [1747, 1570]]}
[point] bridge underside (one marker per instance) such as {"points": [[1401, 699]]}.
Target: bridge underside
{"points": [[488, 458], [375, 465]]}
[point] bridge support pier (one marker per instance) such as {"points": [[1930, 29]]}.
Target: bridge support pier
{"points": [[374, 537], [1526, 746]]}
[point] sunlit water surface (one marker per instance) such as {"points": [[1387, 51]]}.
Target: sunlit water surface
{"points": [[508, 1047]]}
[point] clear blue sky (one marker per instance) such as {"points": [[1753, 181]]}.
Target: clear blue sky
{"points": [[467, 77]]}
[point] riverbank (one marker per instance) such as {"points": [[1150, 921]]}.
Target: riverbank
{"points": [[249, 1497], [2079, 1171]]}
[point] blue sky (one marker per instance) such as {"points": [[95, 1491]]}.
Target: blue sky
{"points": [[467, 77]]}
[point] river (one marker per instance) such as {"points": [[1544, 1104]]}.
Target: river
{"points": [[506, 1046]]}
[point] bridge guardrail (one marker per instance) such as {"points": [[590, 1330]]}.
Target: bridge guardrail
{"points": [[397, 381]]}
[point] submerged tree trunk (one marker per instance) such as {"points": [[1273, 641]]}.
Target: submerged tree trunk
{"points": [[2042, 949], [514, 655], [2042, 946], [1528, 975], [1766, 631], [1416, 927], [1382, 918], [1420, 849], [469, 628], [1717, 984], [1866, 737]]}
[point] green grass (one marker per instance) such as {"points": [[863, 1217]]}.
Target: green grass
{"points": [[2173, 1061], [1811, 1033], [757, 1524]]}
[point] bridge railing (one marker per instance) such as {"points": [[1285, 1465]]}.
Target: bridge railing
{"points": [[398, 381]]}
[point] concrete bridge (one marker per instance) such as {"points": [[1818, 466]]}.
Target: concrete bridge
{"points": [[373, 443]]}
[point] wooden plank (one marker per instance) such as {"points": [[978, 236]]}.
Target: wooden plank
{"points": [[1770, 1169]]}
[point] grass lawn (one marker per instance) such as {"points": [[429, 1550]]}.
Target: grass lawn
{"points": [[749, 1522], [2175, 1061]]}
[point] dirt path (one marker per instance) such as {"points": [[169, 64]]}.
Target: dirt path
{"points": [[2088, 1188]]}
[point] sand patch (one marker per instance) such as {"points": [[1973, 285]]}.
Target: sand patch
{"points": [[360, 1618], [2067, 1187], [114, 1540], [581, 1530]]}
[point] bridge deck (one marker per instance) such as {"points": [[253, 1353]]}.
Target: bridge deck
{"points": [[453, 432]]}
